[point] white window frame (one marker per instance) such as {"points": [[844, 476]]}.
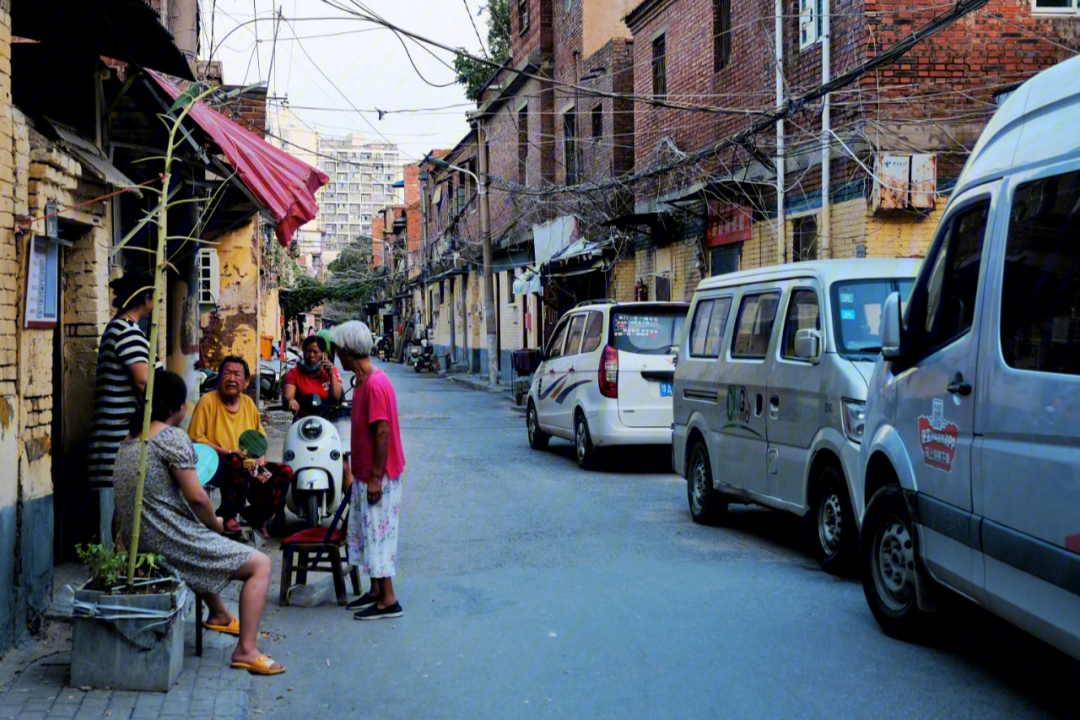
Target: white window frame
{"points": [[1073, 10], [810, 22], [209, 290]]}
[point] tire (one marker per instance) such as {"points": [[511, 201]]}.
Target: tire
{"points": [[834, 535], [538, 439], [707, 507], [586, 454], [887, 559], [311, 511], [416, 367]]}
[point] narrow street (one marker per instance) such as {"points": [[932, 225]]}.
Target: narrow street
{"points": [[534, 589]]}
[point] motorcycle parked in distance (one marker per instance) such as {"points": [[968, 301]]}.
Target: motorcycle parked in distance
{"points": [[426, 359], [313, 449]]}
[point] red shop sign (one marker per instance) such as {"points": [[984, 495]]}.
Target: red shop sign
{"points": [[728, 223]]}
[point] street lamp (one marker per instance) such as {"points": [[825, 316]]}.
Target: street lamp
{"points": [[489, 279]]}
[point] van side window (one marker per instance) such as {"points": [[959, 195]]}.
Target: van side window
{"points": [[757, 315], [803, 313], [594, 332], [943, 306], [699, 329], [556, 343], [573, 338], [1040, 304]]}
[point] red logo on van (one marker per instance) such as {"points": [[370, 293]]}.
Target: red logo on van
{"points": [[938, 438]]}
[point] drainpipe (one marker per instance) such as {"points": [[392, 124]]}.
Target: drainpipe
{"points": [[781, 219], [825, 231]]}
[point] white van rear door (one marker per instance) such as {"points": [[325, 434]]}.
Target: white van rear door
{"points": [[646, 338]]}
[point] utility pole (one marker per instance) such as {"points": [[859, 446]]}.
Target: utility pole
{"points": [[490, 318]]}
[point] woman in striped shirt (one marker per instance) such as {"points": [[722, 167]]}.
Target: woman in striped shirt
{"points": [[123, 359]]}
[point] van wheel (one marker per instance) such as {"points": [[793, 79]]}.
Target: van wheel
{"points": [[835, 537], [888, 564], [707, 506], [586, 455], [538, 439]]}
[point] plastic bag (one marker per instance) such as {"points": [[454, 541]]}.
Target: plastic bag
{"points": [[312, 594]]}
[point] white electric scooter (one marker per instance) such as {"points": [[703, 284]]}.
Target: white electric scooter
{"points": [[313, 450]]}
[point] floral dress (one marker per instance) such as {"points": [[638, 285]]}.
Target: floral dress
{"points": [[373, 529], [203, 559]]}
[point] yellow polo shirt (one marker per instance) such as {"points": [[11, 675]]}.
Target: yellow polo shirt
{"points": [[213, 423]]}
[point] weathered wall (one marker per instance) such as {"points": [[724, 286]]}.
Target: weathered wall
{"points": [[234, 332]]}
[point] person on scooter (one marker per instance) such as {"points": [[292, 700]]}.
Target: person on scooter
{"points": [[219, 420], [313, 375]]}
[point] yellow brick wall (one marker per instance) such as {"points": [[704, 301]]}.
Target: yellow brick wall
{"points": [[235, 331], [511, 314], [623, 279]]}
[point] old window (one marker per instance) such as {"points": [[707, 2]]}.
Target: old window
{"points": [[523, 16], [659, 67], [570, 146], [523, 145], [209, 276], [806, 239], [1055, 6], [810, 28], [598, 122], [721, 34]]}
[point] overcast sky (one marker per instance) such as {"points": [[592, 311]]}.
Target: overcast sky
{"points": [[319, 47]]}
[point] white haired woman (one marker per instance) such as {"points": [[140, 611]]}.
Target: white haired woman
{"points": [[378, 461]]}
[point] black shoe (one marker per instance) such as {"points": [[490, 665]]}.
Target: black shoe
{"points": [[374, 612], [362, 602]]}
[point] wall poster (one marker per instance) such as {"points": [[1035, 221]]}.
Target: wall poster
{"points": [[43, 283]]}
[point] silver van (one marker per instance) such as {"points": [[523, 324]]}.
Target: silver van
{"points": [[971, 455], [770, 390]]}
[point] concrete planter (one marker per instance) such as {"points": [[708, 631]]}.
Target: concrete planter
{"points": [[127, 642]]}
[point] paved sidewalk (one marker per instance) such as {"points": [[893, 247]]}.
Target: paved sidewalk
{"points": [[207, 688]]}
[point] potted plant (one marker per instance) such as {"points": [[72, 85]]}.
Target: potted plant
{"points": [[126, 636]]}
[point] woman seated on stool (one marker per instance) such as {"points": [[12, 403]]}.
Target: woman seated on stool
{"points": [[179, 524]]}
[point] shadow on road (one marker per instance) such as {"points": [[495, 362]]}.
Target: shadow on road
{"points": [[646, 460]]}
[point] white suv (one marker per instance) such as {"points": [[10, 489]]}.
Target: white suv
{"points": [[606, 378]]}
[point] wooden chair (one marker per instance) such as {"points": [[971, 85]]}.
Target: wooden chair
{"points": [[318, 541]]}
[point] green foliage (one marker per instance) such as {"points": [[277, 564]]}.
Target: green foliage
{"points": [[107, 564], [305, 293], [474, 74]]}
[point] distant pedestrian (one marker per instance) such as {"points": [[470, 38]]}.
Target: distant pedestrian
{"points": [[378, 462], [119, 387]]}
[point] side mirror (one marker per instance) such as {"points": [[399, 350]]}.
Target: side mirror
{"points": [[808, 344], [891, 325]]}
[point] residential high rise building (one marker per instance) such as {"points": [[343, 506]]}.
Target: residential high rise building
{"points": [[362, 176]]}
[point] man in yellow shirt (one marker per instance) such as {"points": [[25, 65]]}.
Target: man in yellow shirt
{"points": [[244, 477]]}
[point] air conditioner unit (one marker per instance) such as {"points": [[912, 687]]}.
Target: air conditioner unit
{"points": [[904, 182]]}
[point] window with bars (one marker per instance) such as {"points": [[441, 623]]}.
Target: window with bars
{"points": [[598, 122], [570, 146], [523, 145], [659, 67], [209, 276], [810, 28], [721, 34]]}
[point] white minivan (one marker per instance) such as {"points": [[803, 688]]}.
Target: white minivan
{"points": [[971, 455], [606, 378], [770, 390]]}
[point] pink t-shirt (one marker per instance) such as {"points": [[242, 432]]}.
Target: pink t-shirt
{"points": [[373, 401]]}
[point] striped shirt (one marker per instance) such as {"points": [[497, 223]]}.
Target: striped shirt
{"points": [[115, 396]]}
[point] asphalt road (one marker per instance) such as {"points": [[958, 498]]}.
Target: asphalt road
{"points": [[534, 589]]}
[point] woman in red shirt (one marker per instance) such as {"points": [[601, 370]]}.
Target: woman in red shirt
{"points": [[313, 375]]}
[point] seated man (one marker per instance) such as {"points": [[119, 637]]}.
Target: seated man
{"points": [[219, 419], [315, 374]]}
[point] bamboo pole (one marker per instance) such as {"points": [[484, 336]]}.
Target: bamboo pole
{"points": [[155, 318]]}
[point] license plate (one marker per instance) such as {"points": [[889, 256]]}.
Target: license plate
{"points": [[665, 389]]}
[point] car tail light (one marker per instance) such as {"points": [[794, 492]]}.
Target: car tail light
{"points": [[608, 373]]}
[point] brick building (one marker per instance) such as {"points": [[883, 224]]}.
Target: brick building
{"points": [[897, 137]]}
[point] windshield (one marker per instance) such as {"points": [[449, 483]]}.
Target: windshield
{"points": [[648, 330], [857, 313]]}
